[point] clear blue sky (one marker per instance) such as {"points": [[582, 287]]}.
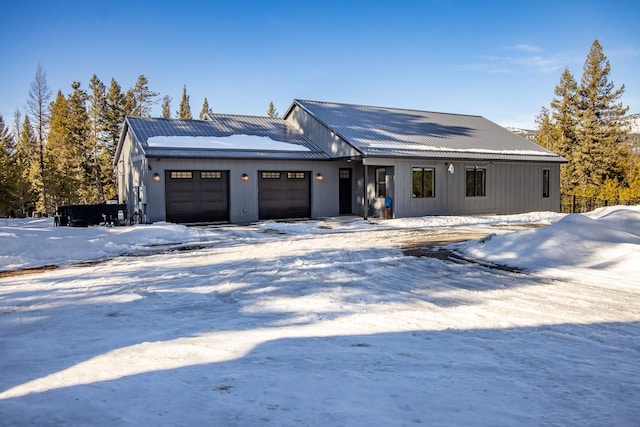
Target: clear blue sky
{"points": [[497, 59]]}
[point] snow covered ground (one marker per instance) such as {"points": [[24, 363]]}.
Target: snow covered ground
{"points": [[323, 323]]}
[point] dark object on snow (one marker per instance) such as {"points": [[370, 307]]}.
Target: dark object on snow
{"points": [[86, 215]]}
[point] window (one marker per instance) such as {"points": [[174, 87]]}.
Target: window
{"points": [[381, 182], [270, 175], [295, 175], [545, 183], [476, 182], [181, 175], [210, 175], [424, 180]]}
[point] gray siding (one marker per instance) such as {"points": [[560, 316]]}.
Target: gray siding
{"points": [[243, 195], [511, 188], [131, 172], [322, 136]]}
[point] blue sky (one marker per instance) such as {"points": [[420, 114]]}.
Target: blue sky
{"points": [[497, 59]]}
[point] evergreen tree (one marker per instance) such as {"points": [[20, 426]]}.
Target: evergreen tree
{"points": [[114, 114], [26, 159], [185, 110], [142, 98], [166, 107], [113, 117], [585, 128], [37, 107], [205, 109], [78, 138], [600, 154], [62, 165], [7, 171], [96, 143], [565, 117], [271, 111]]}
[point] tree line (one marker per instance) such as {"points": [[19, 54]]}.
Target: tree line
{"points": [[61, 152], [584, 125]]}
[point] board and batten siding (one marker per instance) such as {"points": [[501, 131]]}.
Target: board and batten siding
{"points": [[322, 136], [511, 188], [131, 172], [243, 195]]}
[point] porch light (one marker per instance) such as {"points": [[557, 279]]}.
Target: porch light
{"points": [[319, 177], [156, 177], [245, 177]]}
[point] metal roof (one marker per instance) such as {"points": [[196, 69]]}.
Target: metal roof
{"points": [[394, 132], [220, 126]]}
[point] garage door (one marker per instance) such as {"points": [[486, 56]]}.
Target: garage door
{"points": [[197, 196], [284, 194]]}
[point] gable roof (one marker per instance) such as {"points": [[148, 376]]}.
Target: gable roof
{"points": [[395, 132], [221, 136]]}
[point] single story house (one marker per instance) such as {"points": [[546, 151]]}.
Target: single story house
{"points": [[325, 159]]}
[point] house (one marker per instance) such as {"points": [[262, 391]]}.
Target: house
{"points": [[326, 159]]}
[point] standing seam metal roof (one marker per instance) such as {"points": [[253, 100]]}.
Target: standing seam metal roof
{"points": [[394, 132], [223, 125]]}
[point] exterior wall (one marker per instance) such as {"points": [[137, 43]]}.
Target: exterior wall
{"points": [[243, 195], [510, 188], [132, 175], [320, 134]]}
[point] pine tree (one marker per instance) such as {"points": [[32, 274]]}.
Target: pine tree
{"points": [[585, 128], [114, 114], [166, 107], [7, 171], [142, 98], [26, 159], [185, 110], [37, 107], [78, 136], [61, 159], [600, 154], [565, 118], [96, 142], [271, 111], [205, 109]]}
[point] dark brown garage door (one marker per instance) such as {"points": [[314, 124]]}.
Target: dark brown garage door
{"points": [[197, 196], [284, 194]]}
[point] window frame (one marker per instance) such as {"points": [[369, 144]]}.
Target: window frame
{"points": [[296, 175], [546, 183], [270, 175], [181, 174], [210, 174], [478, 185], [381, 185], [423, 194]]}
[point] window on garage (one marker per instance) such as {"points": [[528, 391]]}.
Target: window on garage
{"points": [[197, 196], [284, 194], [181, 175]]}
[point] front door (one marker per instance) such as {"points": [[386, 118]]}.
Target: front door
{"points": [[344, 191]]}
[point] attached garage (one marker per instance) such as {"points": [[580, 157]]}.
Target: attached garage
{"points": [[197, 196], [283, 194]]}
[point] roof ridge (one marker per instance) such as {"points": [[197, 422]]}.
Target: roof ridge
{"points": [[253, 116], [378, 107]]}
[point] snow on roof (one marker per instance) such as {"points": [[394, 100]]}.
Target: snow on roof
{"points": [[223, 136]]}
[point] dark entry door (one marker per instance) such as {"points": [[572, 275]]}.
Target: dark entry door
{"points": [[197, 196], [283, 194], [344, 190]]}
